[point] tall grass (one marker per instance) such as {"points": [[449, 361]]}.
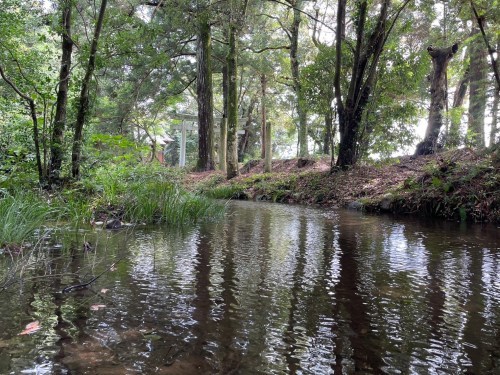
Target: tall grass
{"points": [[145, 193], [20, 216], [150, 193], [165, 202]]}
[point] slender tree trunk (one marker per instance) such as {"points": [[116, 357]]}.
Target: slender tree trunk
{"points": [[205, 98], [263, 86], [232, 108], [83, 105], [495, 118], [243, 144], [477, 92], [36, 136], [223, 125], [56, 146], [494, 113], [458, 101], [492, 52], [440, 59], [327, 141], [269, 156], [45, 165], [297, 86]]}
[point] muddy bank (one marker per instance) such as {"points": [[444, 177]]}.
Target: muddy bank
{"points": [[456, 185]]}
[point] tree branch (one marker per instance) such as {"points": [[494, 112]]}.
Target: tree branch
{"points": [[303, 12], [265, 48]]}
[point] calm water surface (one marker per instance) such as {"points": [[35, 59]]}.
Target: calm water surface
{"points": [[270, 289]]}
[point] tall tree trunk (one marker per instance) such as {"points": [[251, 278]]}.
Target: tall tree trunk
{"points": [[56, 145], [495, 117], [232, 107], [477, 91], [269, 156], [36, 136], [440, 59], [205, 97], [83, 105], [327, 140], [297, 86], [223, 124], [263, 86], [458, 101]]}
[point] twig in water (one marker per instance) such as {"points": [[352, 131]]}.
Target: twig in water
{"points": [[85, 285]]}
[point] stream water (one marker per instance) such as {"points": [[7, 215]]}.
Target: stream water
{"points": [[269, 289]]}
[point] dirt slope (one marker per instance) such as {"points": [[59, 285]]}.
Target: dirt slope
{"points": [[457, 185]]}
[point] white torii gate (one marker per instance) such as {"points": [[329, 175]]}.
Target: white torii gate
{"points": [[187, 124]]}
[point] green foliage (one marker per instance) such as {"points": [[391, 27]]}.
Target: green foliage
{"points": [[317, 81]]}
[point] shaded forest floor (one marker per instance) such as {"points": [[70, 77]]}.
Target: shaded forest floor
{"points": [[455, 185]]}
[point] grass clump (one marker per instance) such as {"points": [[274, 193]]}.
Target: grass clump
{"points": [[20, 216], [147, 193], [166, 202], [230, 191]]}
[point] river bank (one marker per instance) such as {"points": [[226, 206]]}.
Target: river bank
{"points": [[459, 185]]}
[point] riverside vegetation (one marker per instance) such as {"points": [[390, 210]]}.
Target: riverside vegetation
{"points": [[461, 185], [144, 194]]}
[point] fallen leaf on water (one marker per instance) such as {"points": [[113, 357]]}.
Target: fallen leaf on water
{"points": [[31, 328], [97, 307], [103, 291]]}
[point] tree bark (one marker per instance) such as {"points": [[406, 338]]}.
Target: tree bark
{"points": [[477, 92], [223, 125], [440, 59], [327, 140], [263, 86], [232, 107], [297, 86], [268, 160], [83, 105], [205, 97], [494, 120], [56, 146], [494, 112]]}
